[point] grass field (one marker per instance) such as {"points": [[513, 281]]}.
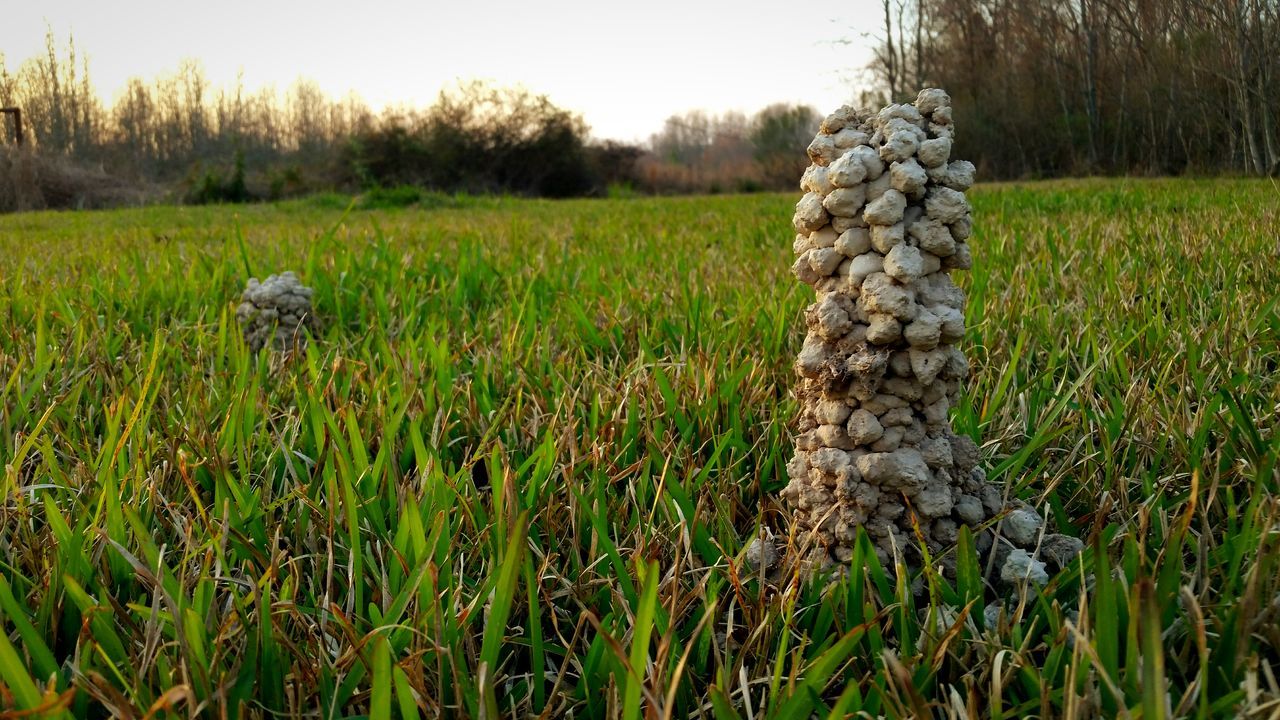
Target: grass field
{"points": [[512, 477]]}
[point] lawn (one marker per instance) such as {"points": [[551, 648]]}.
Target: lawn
{"points": [[513, 475]]}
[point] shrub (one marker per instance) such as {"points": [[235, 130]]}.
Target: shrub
{"points": [[613, 164], [19, 182], [284, 183], [477, 139], [30, 181], [212, 188]]}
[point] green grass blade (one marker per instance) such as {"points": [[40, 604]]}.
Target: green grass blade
{"points": [[641, 630]]}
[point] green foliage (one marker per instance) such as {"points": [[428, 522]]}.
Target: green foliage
{"points": [[285, 182], [513, 476], [397, 197], [320, 201], [621, 191], [478, 139], [212, 188], [178, 130]]}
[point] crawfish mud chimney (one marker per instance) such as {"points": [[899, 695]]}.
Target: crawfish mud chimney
{"points": [[882, 224], [276, 313]]}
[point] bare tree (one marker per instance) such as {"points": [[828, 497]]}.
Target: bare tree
{"points": [[1053, 87]]}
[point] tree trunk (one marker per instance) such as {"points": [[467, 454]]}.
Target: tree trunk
{"points": [[1090, 80], [1253, 146], [891, 73]]}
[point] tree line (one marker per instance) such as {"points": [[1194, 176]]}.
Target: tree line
{"points": [[1058, 87], [1041, 88], [229, 144]]}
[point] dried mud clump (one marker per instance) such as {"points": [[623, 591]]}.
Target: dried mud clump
{"points": [[276, 313], [882, 224]]}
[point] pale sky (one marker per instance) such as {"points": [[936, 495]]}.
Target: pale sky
{"points": [[625, 66]]}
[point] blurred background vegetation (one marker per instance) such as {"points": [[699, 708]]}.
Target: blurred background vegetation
{"points": [[1045, 88], [180, 138], [1041, 89]]}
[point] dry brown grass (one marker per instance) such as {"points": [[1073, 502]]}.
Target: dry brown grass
{"points": [[31, 181]]}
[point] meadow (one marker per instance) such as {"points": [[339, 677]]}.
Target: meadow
{"points": [[514, 474]]}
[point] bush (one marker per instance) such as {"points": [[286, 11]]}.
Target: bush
{"points": [[213, 189], [390, 154], [19, 182], [613, 165], [285, 183], [477, 139], [30, 181]]}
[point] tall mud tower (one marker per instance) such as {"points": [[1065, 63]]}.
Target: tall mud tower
{"points": [[882, 224]]}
